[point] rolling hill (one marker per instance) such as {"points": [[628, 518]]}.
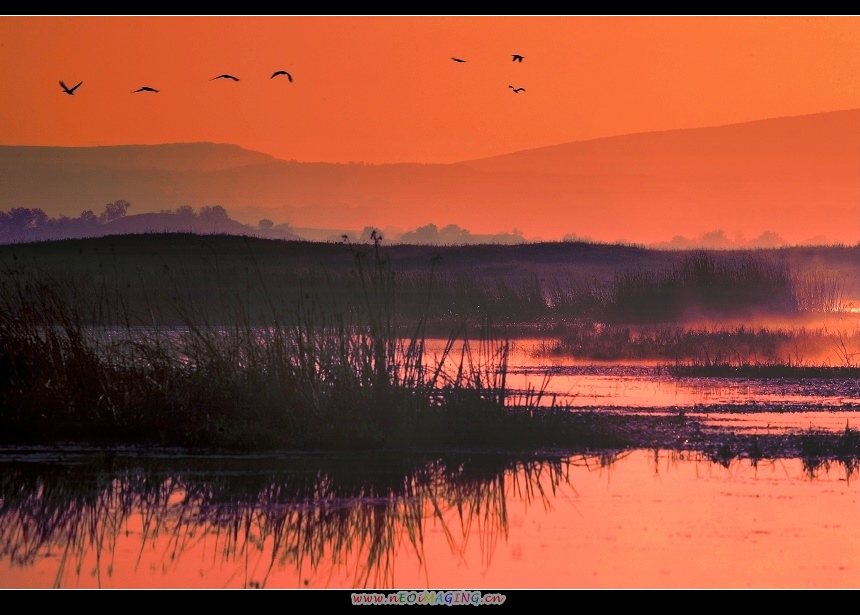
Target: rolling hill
{"points": [[797, 177]]}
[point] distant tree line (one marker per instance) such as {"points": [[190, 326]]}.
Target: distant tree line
{"points": [[452, 234], [33, 224], [22, 224]]}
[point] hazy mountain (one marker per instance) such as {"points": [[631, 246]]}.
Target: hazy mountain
{"points": [[171, 157], [794, 177]]}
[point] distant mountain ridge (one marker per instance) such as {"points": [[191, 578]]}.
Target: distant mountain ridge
{"points": [[796, 177], [829, 133], [170, 157]]}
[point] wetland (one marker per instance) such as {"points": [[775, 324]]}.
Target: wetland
{"points": [[215, 411]]}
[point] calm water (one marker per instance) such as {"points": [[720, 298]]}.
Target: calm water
{"points": [[765, 405], [649, 519]]}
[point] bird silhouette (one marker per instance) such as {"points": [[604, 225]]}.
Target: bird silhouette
{"points": [[517, 58], [145, 88], [458, 60], [225, 76], [517, 90], [282, 72], [68, 90]]}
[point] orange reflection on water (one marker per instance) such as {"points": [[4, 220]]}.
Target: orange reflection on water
{"points": [[644, 519], [760, 403]]}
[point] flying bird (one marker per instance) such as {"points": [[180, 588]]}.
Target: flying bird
{"points": [[458, 60], [145, 88], [517, 58], [517, 90], [282, 72], [225, 76], [69, 91]]}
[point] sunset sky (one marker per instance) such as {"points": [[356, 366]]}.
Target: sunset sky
{"points": [[383, 89]]}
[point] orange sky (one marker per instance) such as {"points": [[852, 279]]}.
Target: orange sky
{"points": [[384, 89]]}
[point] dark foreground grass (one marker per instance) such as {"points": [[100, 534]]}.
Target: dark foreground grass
{"points": [[259, 369], [306, 375]]}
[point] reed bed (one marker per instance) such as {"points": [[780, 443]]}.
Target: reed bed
{"points": [[250, 372], [241, 355], [552, 285], [701, 285], [743, 369], [740, 344]]}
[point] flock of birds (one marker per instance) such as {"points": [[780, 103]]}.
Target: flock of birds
{"points": [[515, 58], [278, 73], [71, 90]]}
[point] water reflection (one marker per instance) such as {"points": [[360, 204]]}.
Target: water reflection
{"points": [[302, 512], [382, 521], [649, 385], [642, 386]]}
